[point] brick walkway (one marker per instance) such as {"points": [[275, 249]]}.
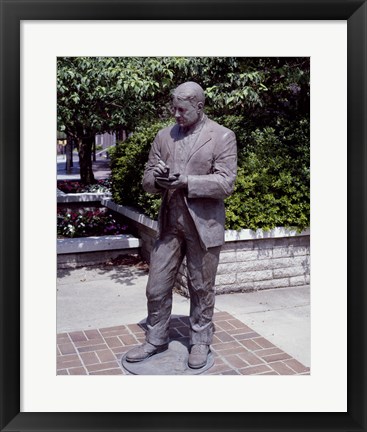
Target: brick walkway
{"points": [[238, 350]]}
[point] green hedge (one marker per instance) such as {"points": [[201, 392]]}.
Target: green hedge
{"points": [[272, 186]]}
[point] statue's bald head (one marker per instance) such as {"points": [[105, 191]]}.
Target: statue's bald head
{"points": [[190, 91]]}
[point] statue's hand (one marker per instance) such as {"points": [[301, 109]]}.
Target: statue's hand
{"points": [[177, 181], [161, 169]]}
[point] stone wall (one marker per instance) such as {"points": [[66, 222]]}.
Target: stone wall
{"points": [[249, 260], [251, 265]]}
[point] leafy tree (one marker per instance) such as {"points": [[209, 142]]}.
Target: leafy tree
{"points": [[266, 103], [102, 94], [264, 100]]}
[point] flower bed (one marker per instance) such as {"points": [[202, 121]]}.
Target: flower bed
{"points": [[87, 222], [75, 186]]}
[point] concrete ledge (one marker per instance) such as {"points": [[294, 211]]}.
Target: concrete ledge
{"points": [[93, 244], [131, 213], [63, 198], [230, 235], [247, 234], [75, 260]]}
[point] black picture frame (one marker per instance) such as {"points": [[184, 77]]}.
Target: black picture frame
{"points": [[12, 12]]}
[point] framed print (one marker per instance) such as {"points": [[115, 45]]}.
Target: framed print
{"points": [[333, 396]]}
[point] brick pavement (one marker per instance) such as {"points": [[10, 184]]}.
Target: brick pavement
{"points": [[238, 350]]}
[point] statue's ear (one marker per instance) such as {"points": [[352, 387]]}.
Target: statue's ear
{"points": [[200, 105]]}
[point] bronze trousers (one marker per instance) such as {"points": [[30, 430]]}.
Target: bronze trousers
{"points": [[178, 240]]}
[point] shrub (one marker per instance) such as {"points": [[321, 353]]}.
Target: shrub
{"points": [[272, 186], [128, 161]]}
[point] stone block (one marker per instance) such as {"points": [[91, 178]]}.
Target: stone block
{"points": [[303, 261], [255, 265], [299, 280], [227, 268], [291, 251], [227, 257], [254, 276], [272, 283], [225, 279], [254, 254], [288, 272]]}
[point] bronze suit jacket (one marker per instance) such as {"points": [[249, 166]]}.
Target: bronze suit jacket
{"points": [[211, 171]]}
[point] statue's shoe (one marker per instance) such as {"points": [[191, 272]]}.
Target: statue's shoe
{"points": [[144, 351], [198, 356]]}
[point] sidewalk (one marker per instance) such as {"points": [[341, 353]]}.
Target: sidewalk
{"points": [[101, 168], [101, 313]]}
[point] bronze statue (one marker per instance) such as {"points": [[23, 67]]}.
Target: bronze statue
{"points": [[193, 164]]}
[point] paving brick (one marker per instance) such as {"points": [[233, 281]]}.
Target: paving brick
{"points": [[174, 333], [105, 356], [253, 370], [89, 358], [219, 316], [90, 342], [63, 338], [184, 320], [216, 340], [230, 372], [268, 351], [78, 336], [93, 348], [276, 357], [224, 325], [250, 358], [184, 331], [239, 325], [236, 347], [282, 368], [116, 332], [115, 328], [175, 322], [224, 336], [250, 344], [68, 361], [244, 336], [121, 350], [92, 334], [102, 366], [128, 339], [231, 351], [67, 348], [225, 346], [236, 362], [218, 369], [108, 372], [135, 328], [77, 371], [296, 366], [264, 343], [113, 342]]}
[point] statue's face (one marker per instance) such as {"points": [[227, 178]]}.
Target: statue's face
{"points": [[185, 113]]}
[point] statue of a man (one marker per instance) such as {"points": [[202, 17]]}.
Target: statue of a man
{"points": [[193, 164]]}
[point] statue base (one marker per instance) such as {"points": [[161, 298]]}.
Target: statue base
{"points": [[173, 361]]}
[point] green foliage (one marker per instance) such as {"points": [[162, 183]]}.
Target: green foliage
{"points": [[128, 161], [272, 187], [265, 101]]}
